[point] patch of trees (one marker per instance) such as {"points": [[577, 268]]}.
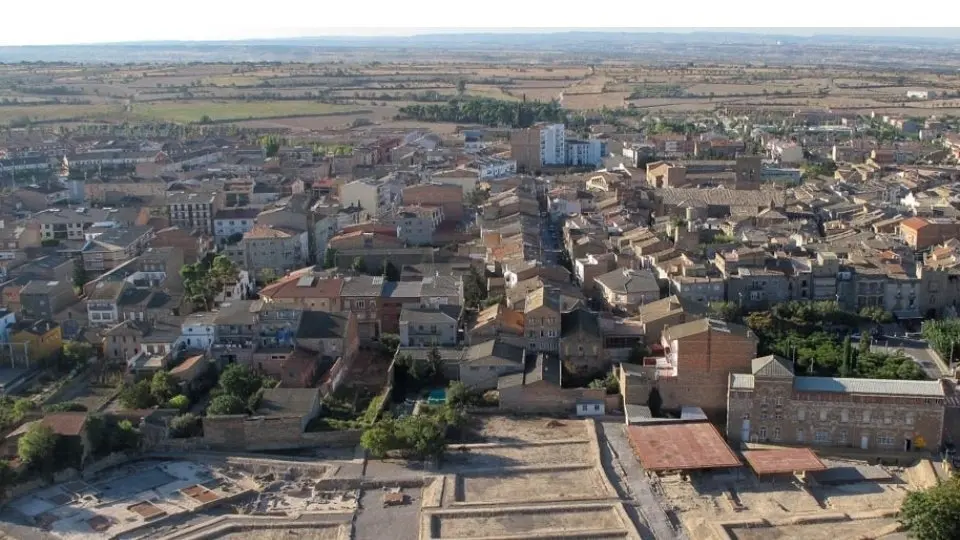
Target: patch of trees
{"points": [[486, 111], [202, 280], [423, 436], [933, 513], [238, 391], [160, 390], [658, 91], [794, 330], [943, 335]]}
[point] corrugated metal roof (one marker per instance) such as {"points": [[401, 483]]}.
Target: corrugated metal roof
{"points": [[741, 381], [869, 386]]}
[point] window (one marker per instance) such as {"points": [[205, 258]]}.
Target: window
{"points": [[360, 304], [844, 415], [885, 440], [779, 415], [779, 401], [776, 434], [888, 417], [866, 416], [801, 415], [746, 416], [763, 433], [843, 436], [821, 436], [823, 415], [909, 419], [763, 415]]}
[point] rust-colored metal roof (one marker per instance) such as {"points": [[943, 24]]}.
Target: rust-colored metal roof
{"points": [[783, 461], [681, 446]]}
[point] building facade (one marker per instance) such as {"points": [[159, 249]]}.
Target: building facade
{"points": [[771, 404]]}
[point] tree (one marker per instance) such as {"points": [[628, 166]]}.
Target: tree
{"points": [[474, 288], [163, 386], [65, 406], [725, 311], [846, 363], [876, 314], [434, 363], [330, 258], [461, 86], [226, 404], [379, 438], [390, 344], [268, 276], [359, 265], [185, 425], [654, 401], [37, 445], [137, 395], [458, 396], [240, 381], [934, 513], [76, 353], [124, 436], [80, 276], [179, 402], [222, 271], [608, 384]]}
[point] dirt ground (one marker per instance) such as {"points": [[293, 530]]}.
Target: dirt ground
{"points": [[529, 486], [705, 498], [815, 531], [521, 455], [325, 533], [538, 521], [510, 429]]}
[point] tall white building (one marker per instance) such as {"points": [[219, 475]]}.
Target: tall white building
{"points": [[553, 144]]}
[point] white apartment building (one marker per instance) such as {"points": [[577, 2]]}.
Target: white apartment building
{"points": [[491, 168], [553, 144], [785, 151], [375, 197], [231, 221], [582, 153]]}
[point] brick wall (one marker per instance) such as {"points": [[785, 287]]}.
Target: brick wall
{"points": [[544, 398], [774, 409]]}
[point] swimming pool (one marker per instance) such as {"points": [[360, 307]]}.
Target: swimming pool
{"points": [[438, 396]]}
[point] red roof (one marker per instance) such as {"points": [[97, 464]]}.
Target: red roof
{"points": [[66, 423], [914, 223], [681, 446], [783, 461]]}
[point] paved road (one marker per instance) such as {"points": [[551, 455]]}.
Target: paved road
{"points": [[631, 483]]}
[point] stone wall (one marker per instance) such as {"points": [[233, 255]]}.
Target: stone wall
{"points": [[268, 433]]}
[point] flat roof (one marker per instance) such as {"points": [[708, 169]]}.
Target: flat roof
{"points": [[683, 446], [781, 461]]}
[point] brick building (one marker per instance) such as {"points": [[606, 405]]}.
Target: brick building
{"points": [[698, 358], [772, 404]]}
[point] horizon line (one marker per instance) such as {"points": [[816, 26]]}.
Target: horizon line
{"points": [[454, 32]]}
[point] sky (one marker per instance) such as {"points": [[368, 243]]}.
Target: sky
{"points": [[106, 21]]}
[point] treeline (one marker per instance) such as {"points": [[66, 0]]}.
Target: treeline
{"points": [[486, 111]]}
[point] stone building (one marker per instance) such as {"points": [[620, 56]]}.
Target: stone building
{"points": [[771, 404]]}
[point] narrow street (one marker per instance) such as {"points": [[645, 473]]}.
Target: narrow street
{"points": [[631, 483]]}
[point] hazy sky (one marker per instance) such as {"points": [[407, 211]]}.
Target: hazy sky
{"points": [[98, 21]]}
